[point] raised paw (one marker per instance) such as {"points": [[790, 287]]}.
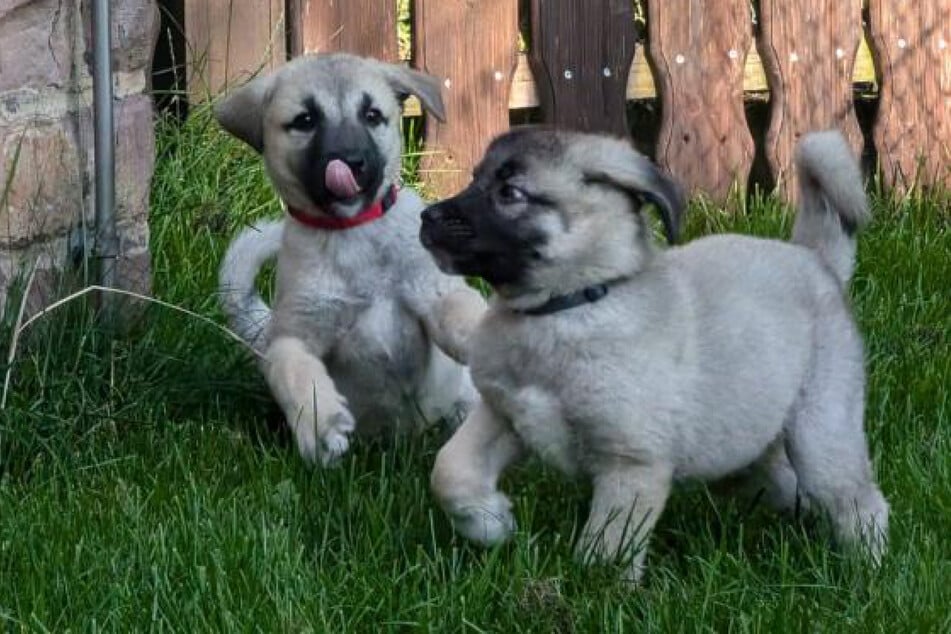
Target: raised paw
{"points": [[327, 439], [335, 433]]}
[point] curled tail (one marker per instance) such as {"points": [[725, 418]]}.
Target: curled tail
{"points": [[247, 313], [832, 201]]}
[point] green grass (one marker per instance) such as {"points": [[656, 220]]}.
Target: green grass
{"points": [[146, 481]]}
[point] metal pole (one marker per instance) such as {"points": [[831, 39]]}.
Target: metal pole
{"points": [[106, 246]]}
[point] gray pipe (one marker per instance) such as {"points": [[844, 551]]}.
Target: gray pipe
{"points": [[106, 246]]}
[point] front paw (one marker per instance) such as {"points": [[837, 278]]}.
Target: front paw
{"points": [[486, 520], [326, 438], [335, 431], [630, 558]]}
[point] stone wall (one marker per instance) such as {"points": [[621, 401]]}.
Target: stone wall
{"points": [[46, 139]]}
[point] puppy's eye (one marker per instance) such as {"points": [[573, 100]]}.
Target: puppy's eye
{"points": [[373, 117], [304, 122], [511, 194]]}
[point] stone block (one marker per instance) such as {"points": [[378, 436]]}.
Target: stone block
{"points": [[43, 167], [135, 270], [37, 39], [46, 139], [135, 156], [50, 280], [135, 28]]}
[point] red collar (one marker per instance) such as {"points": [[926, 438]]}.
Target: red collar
{"points": [[333, 223]]}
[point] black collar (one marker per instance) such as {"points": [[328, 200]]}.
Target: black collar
{"points": [[587, 295]]}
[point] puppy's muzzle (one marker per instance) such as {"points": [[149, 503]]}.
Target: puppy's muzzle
{"points": [[356, 178], [342, 169], [445, 227]]}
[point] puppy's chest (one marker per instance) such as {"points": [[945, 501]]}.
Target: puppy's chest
{"points": [[331, 285], [534, 393]]}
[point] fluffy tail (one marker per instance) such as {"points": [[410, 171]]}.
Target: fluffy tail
{"points": [[832, 201], [247, 313]]}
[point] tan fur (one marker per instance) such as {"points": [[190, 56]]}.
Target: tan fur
{"points": [[352, 342], [727, 355]]}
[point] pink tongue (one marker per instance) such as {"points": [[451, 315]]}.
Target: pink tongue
{"points": [[340, 181]]}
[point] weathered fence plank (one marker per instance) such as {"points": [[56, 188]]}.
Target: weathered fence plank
{"points": [[640, 82], [229, 41], [912, 44], [698, 49], [808, 48], [207, 29], [472, 46], [581, 57], [364, 27]]}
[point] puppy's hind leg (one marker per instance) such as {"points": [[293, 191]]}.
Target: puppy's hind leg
{"points": [[466, 474], [771, 480], [827, 446], [314, 410]]}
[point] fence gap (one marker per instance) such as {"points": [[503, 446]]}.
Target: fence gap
{"points": [[698, 52]]}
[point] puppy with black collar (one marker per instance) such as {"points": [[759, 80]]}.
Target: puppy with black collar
{"points": [[637, 367]]}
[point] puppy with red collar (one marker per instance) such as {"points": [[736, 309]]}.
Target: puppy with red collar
{"points": [[365, 333]]}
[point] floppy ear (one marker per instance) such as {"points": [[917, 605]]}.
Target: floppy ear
{"points": [[406, 81], [242, 112], [618, 165]]}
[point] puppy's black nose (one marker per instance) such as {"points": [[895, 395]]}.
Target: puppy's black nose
{"points": [[355, 160], [357, 164], [430, 214]]}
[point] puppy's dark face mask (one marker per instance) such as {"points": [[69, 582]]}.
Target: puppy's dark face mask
{"points": [[328, 128], [340, 164], [490, 230], [546, 208]]}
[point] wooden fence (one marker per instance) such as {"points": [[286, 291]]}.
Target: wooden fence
{"points": [[584, 61]]}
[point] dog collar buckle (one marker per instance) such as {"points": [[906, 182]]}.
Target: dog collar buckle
{"points": [[373, 212]]}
